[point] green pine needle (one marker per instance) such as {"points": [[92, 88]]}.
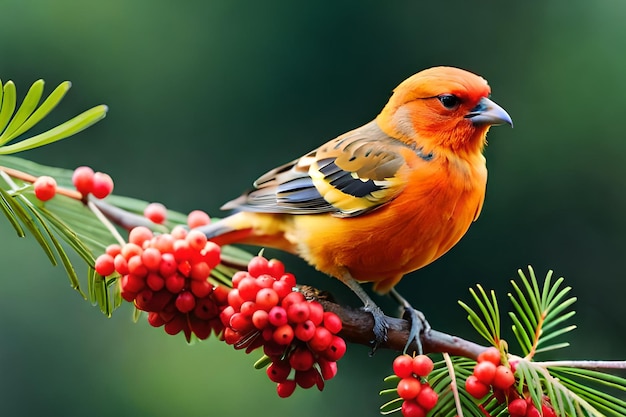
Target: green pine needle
{"points": [[488, 323], [540, 312]]}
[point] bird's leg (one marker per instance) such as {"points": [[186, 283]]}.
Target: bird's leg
{"points": [[380, 325], [419, 325]]}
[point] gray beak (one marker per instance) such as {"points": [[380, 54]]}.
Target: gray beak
{"points": [[487, 112]]}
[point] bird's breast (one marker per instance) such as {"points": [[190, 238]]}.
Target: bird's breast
{"points": [[424, 221]]}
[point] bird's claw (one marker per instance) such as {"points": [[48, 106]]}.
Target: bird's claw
{"points": [[380, 326], [419, 326]]}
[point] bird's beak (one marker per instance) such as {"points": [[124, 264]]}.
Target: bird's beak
{"points": [[487, 112]]}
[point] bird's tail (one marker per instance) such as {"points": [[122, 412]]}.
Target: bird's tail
{"points": [[223, 233]]}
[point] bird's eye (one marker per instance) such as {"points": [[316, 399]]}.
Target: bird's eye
{"points": [[449, 101]]}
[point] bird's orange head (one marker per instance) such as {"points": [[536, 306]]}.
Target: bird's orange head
{"points": [[442, 107]]}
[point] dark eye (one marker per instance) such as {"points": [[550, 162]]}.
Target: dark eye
{"points": [[449, 101]]}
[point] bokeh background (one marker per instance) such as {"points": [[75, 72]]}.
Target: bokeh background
{"points": [[204, 96]]}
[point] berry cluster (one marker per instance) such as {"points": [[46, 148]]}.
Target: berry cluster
{"points": [[167, 276], [87, 182], [297, 335], [489, 373], [419, 398], [524, 407]]}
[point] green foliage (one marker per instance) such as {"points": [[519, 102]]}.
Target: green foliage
{"points": [[539, 316], [66, 218]]}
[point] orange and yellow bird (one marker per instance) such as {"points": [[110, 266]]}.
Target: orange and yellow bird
{"points": [[384, 199]]}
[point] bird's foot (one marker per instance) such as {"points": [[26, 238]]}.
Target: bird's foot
{"points": [[417, 319], [380, 326], [419, 327]]}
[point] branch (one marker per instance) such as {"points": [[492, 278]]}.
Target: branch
{"points": [[358, 328]]}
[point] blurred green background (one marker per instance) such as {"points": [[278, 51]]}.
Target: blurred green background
{"points": [[204, 96]]}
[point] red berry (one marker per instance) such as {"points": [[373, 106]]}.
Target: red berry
{"points": [[490, 354], [278, 316], [412, 409], [121, 264], [168, 265], [155, 281], [248, 289], [179, 232], [283, 335], [258, 266], [422, 365], [82, 178], [301, 359], [306, 379], [205, 308], [292, 298], [427, 398], [408, 388], [164, 243], [485, 372], [248, 308], [177, 324], [151, 258], [201, 328], [260, 319], [278, 371], [240, 322], [305, 331], [211, 254], [200, 271], [237, 277], [327, 368], [332, 322], [281, 288], [155, 212], [321, 340], [266, 298], [185, 302], [518, 407], [105, 265], [132, 283], [286, 388], [298, 312], [475, 388], [45, 187], [182, 251], [336, 350], [113, 249], [155, 319], [532, 411], [275, 268], [197, 218], [233, 298], [547, 411], [136, 266], [403, 366], [196, 239], [503, 378], [175, 283], [288, 279], [201, 288], [102, 185], [138, 235], [316, 312]]}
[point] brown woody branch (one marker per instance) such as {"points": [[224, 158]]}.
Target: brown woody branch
{"points": [[358, 328]]}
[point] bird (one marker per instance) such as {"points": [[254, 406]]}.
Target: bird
{"points": [[384, 199]]}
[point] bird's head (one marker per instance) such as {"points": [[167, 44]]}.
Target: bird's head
{"points": [[442, 107]]}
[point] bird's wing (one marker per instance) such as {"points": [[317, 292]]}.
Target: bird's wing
{"points": [[347, 176]]}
